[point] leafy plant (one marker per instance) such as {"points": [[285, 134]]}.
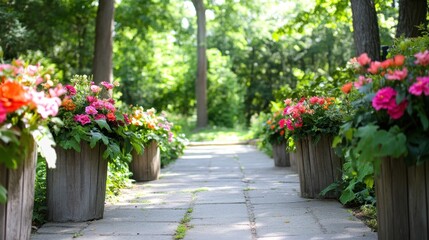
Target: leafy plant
{"points": [[28, 101], [88, 117], [390, 116]]}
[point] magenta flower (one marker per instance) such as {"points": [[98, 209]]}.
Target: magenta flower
{"points": [[282, 122], [397, 74], [289, 125], [107, 85], [71, 90], [397, 111], [100, 116], [90, 110], [422, 58], [83, 119], [385, 98], [91, 99], [3, 113], [420, 87]]}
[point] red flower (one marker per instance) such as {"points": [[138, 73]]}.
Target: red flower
{"points": [[111, 116]]}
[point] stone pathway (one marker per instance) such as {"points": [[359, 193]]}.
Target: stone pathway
{"points": [[230, 192]]}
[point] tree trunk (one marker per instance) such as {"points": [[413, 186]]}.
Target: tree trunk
{"points": [[201, 81], [412, 13], [365, 27], [102, 65]]}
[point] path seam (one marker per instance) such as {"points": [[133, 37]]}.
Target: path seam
{"points": [[249, 205]]}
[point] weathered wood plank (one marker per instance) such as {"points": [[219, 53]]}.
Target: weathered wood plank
{"points": [[76, 188], [417, 204], [280, 155], [318, 167], [146, 166], [16, 214]]}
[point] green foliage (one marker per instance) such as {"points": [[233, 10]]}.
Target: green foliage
{"points": [[118, 176], [40, 205], [173, 149]]}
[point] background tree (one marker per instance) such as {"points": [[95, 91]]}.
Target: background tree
{"points": [[102, 64], [201, 81], [412, 16], [365, 28]]}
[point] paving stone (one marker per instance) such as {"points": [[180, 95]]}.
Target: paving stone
{"points": [[223, 184], [219, 232]]}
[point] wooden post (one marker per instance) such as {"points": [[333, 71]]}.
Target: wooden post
{"points": [[402, 200], [281, 157], [16, 214], [76, 188], [146, 166], [318, 166]]}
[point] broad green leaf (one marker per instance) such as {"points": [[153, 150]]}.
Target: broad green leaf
{"points": [[3, 195], [103, 124]]}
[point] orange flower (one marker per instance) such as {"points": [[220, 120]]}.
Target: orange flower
{"points": [[399, 60], [12, 96], [111, 116], [151, 125], [347, 87], [269, 122], [272, 126], [68, 104], [282, 132]]}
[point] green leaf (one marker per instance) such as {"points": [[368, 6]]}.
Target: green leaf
{"points": [[423, 119], [3, 195], [347, 195], [103, 124]]}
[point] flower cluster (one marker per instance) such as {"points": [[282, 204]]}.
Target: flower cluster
{"points": [[311, 116], [151, 125], [29, 98], [391, 102], [89, 114], [274, 130]]}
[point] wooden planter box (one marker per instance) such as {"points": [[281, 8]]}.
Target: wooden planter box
{"points": [[293, 164], [76, 189], [402, 200], [281, 157], [318, 166], [16, 214], [147, 165]]}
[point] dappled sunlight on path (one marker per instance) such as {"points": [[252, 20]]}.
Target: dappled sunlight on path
{"points": [[230, 192]]}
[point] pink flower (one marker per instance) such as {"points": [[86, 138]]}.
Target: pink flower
{"points": [[289, 125], [107, 85], [109, 106], [422, 58], [374, 67], [100, 116], [385, 98], [419, 87], [95, 88], [397, 111], [57, 91], [98, 104], [363, 59], [397, 74], [83, 119], [91, 110], [71, 90], [3, 113], [361, 81], [314, 100], [288, 101]]}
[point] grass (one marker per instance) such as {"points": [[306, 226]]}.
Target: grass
{"points": [[368, 214], [184, 225]]}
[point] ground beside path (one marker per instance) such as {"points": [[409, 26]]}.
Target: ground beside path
{"points": [[227, 192]]}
